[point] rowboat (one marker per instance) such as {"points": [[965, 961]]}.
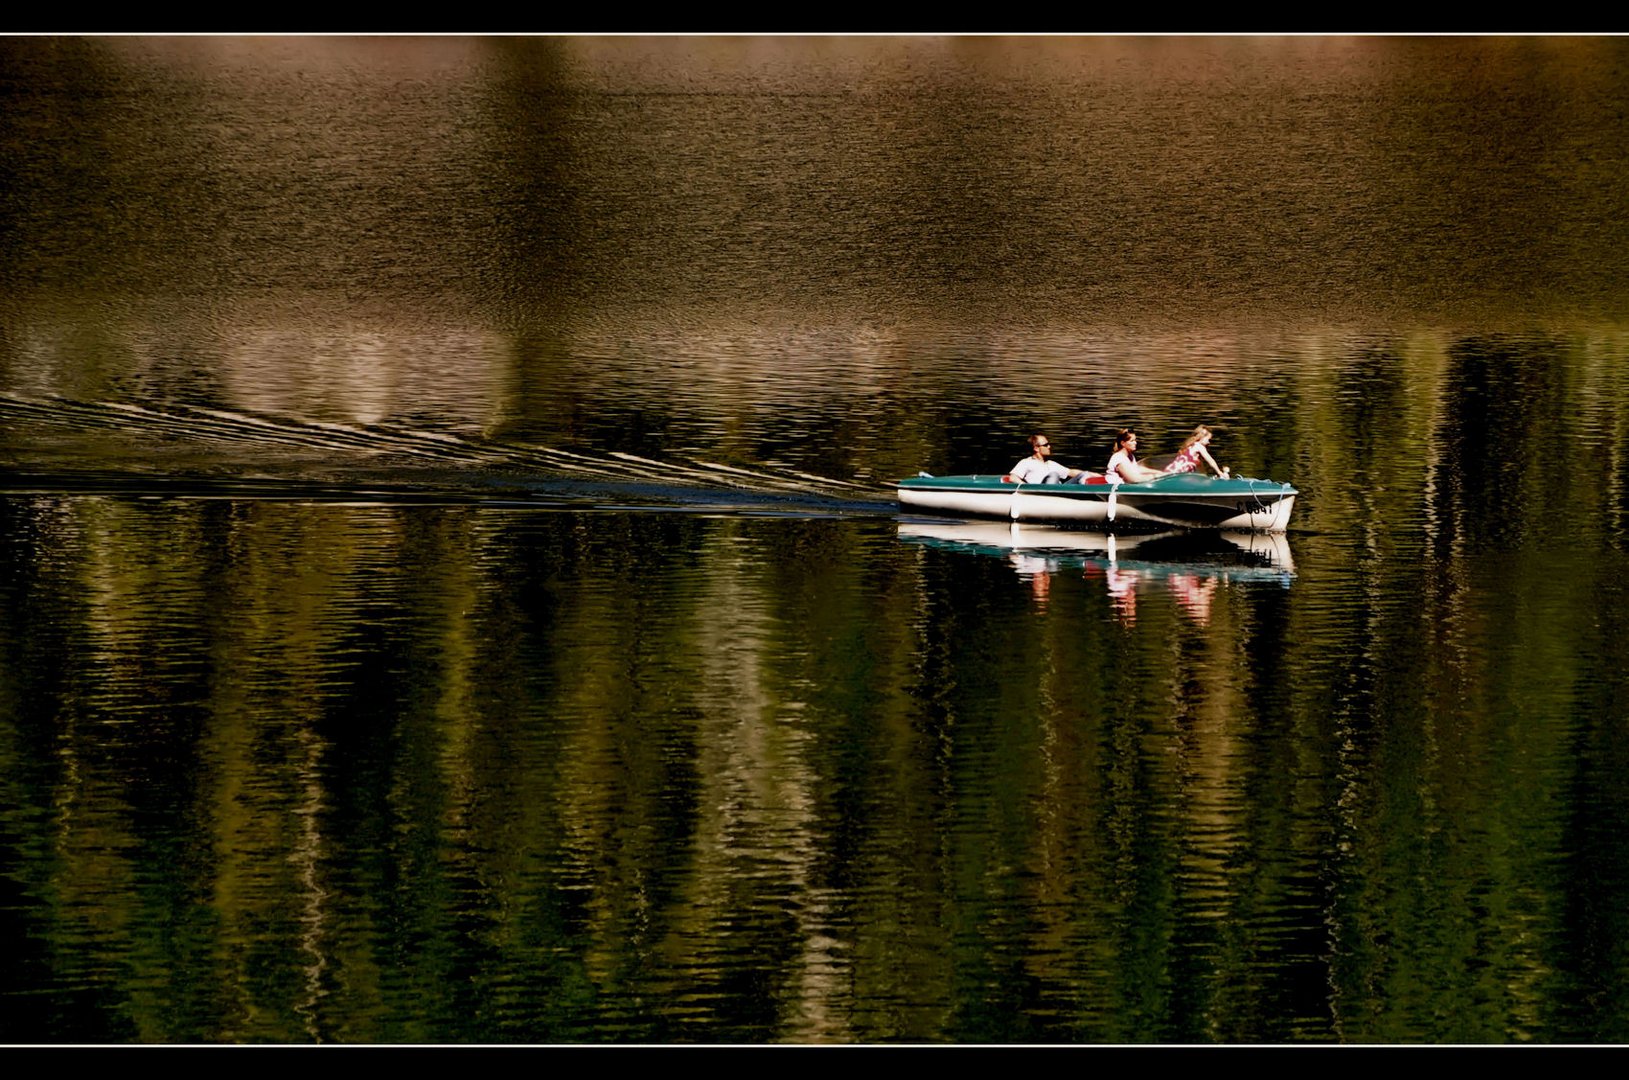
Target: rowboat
{"points": [[1181, 500]]}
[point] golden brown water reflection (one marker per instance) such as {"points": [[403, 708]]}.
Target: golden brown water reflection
{"points": [[449, 590]]}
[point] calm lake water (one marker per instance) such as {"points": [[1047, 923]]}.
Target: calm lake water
{"points": [[450, 589]]}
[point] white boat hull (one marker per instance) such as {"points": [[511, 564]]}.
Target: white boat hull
{"points": [[1243, 504]]}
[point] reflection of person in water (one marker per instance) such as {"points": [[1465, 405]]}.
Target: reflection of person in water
{"points": [[1038, 468], [1122, 587], [1036, 571], [1193, 451], [1194, 594], [1124, 462]]}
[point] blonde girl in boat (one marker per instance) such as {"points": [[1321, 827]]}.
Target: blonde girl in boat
{"points": [[1193, 451]]}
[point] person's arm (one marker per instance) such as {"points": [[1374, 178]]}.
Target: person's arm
{"points": [[1215, 468], [1139, 473]]}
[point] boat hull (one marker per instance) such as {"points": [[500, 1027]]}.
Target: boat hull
{"points": [[1184, 501]]}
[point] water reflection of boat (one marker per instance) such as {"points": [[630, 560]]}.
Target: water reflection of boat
{"points": [[1186, 500], [1227, 555], [1192, 565]]}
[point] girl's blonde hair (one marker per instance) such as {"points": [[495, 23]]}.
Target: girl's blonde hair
{"points": [[1198, 433]]}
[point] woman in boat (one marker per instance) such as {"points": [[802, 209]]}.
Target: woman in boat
{"points": [[1037, 468], [1123, 464], [1193, 452]]}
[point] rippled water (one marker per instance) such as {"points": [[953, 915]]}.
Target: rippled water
{"points": [[450, 589]]}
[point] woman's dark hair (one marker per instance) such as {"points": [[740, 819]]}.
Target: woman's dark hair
{"points": [[1120, 439]]}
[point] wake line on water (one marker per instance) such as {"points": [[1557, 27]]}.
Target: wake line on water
{"points": [[560, 496], [362, 463]]}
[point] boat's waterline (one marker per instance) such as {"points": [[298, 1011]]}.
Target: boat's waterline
{"points": [[1183, 501]]}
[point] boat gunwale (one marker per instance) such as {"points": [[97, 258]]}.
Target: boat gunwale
{"points": [[1217, 487]]}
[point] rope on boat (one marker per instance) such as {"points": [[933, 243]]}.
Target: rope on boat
{"points": [[1259, 504]]}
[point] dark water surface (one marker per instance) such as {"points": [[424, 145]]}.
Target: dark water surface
{"points": [[450, 591]]}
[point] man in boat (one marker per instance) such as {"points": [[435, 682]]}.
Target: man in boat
{"points": [[1038, 468]]}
